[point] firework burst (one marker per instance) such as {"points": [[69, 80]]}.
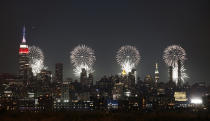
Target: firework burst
{"points": [[128, 57], [174, 53], [82, 57], [36, 59]]}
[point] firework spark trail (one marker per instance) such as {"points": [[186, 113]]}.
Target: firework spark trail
{"points": [[184, 75], [82, 57], [128, 57], [36, 59]]}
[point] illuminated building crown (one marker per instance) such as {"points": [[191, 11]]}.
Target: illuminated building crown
{"points": [[23, 46]]}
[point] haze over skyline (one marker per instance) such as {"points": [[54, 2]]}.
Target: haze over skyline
{"points": [[105, 26]]}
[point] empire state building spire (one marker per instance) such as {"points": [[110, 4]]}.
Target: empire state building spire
{"points": [[24, 33], [23, 46], [23, 57]]}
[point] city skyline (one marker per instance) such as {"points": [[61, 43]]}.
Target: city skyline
{"points": [[82, 53], [36, 48], [104, 60], [105, 32]]}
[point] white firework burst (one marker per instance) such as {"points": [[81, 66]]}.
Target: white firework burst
{"points": [[128, 57], [36, 59], [127, 66], [174, 53], [82, 57]]}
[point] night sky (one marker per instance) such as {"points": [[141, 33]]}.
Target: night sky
{"points": [[105, 25]]}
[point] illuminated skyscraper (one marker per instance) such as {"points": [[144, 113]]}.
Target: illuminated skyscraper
{"points": [[23, 57], [65, 95], [131, 79], [156, 73], [135, 75]]}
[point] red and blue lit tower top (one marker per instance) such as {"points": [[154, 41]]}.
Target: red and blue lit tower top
{"points": [[23, 46]]}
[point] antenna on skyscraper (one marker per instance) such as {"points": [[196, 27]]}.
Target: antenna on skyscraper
{"points": [[24, 33]]}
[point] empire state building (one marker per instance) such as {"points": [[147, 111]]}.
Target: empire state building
{"points": [[23, 56]]}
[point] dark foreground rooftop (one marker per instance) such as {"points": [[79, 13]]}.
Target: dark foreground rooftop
{"points": [[103, 116]]}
